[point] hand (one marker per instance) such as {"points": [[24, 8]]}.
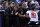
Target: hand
{"points": [[12, 13], [24, 15], [16, 13]]}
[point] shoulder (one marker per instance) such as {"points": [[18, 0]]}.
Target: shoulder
{"points": [[7, 9], [28, 11]]}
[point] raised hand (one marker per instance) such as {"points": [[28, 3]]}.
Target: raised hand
{"points": [[16, 13], [12, 12]]}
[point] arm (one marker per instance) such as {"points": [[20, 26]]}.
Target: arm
{"points": [[27, 15], [23, 15]]}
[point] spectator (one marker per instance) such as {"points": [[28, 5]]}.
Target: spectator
{"points": [[6, 18], [5, 5], [28, 2], [10, 13], [21, 13], [17, 5], [36, 3], [25, 4]]}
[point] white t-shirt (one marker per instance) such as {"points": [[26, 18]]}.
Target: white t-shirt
{"points": [[33, 15]]}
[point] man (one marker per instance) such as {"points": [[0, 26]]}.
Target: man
{"points": [[5, 5], [39, 17], [21, 13], [10, 14], [36, 4], [33, 15]]}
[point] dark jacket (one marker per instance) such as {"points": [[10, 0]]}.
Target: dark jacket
{"points": [[8, 12], [39, 15]]}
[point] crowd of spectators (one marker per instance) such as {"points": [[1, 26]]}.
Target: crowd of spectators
{"points": [[27, 3], [11, 8]]}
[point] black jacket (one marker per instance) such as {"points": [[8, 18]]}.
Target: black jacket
{"points": [[8, 12], [39, 15]]}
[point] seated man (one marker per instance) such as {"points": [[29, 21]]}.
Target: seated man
{"points": [[33, 16]]}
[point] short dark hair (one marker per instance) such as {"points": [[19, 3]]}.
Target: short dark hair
{"points": [[33, 7], [10, 2]]}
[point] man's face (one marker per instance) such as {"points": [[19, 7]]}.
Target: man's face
{"points": [[12, 5], [23, 5], [6, 4]]}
